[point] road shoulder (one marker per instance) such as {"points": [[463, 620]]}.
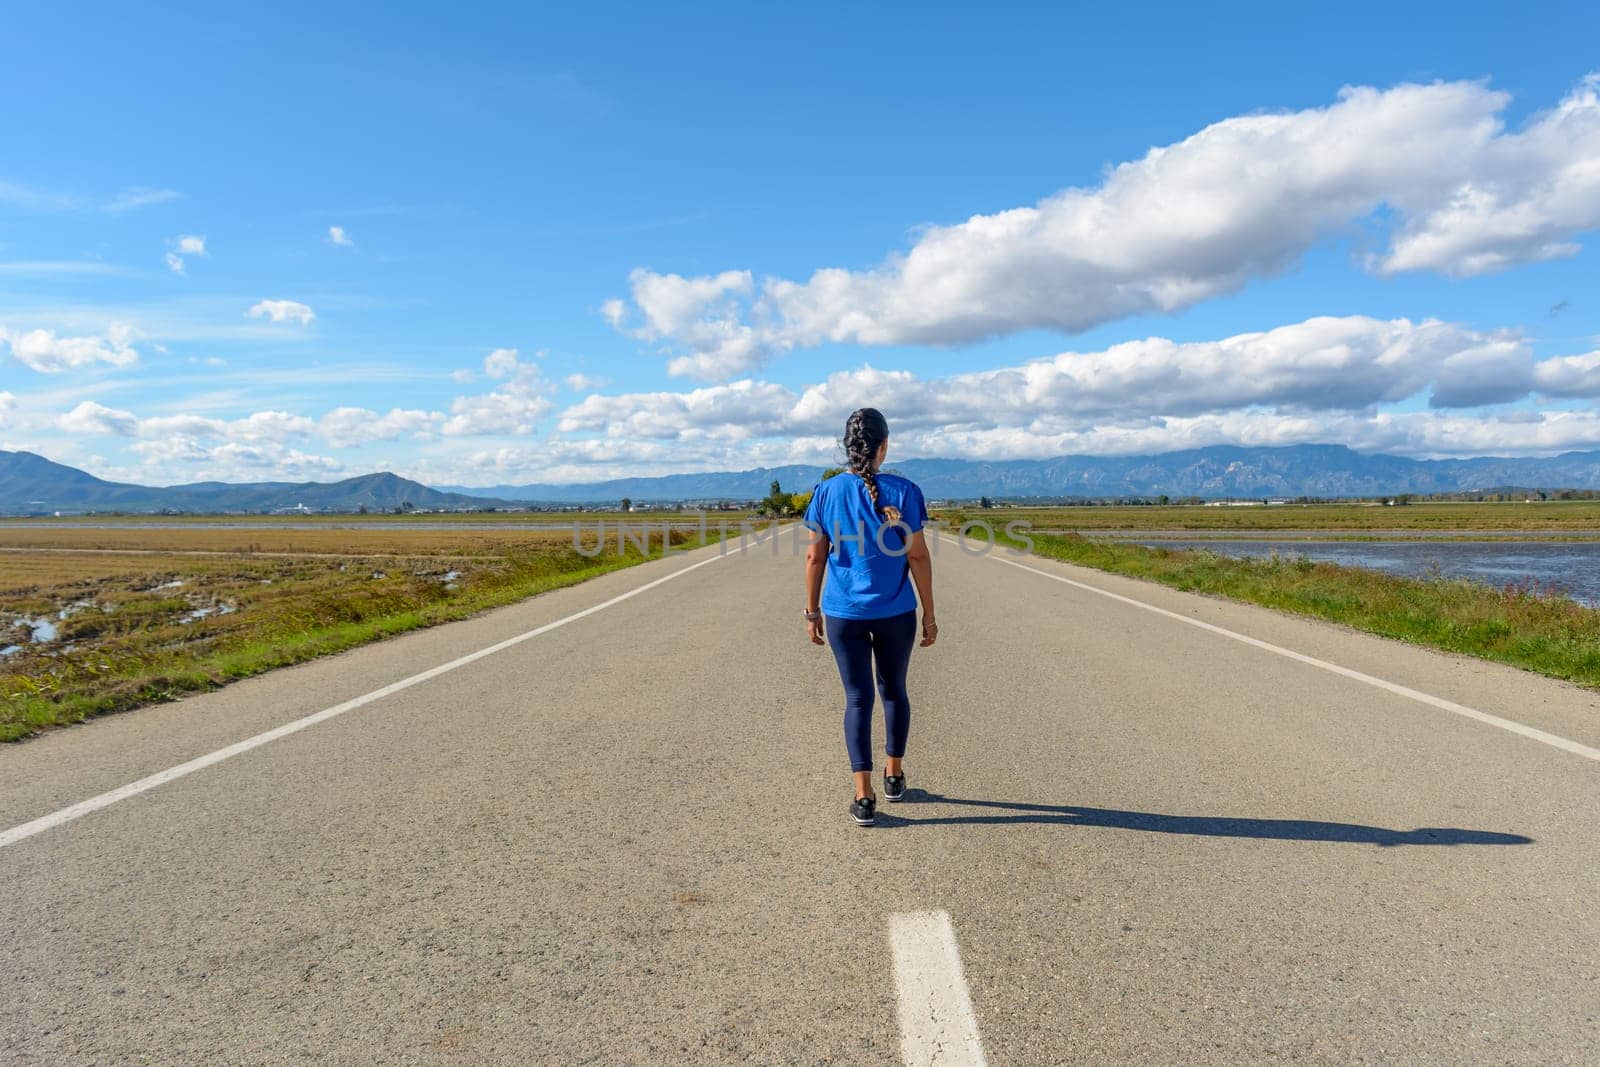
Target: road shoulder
{"points": [[1547, 704]]}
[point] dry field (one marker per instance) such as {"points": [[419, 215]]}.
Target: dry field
{"points": [[365, 541], [96, 620]]}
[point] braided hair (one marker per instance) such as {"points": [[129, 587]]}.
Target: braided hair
{"points": [[865, 431]]}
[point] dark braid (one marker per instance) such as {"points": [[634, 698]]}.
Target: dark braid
{"points": [[865, 431]]}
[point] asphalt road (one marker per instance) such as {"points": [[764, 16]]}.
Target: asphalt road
{"points": [[623, 840]]}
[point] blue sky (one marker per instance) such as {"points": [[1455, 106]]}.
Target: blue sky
{"points": [[512, 245]]}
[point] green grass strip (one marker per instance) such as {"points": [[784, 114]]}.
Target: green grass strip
{"points": [[1535, 629]]}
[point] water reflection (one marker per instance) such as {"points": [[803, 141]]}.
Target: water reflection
{"points": [[40, 631], [1571, 567]]}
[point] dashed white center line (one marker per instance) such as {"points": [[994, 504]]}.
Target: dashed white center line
{"points": [[936, 1020]]}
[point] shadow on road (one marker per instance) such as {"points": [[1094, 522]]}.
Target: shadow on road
{"points": [[1196, 825]]}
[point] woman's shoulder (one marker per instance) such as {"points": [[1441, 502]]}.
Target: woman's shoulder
{"points": [[831, 484], [899, 482]]}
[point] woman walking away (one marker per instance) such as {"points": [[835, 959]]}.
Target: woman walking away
{"points": [[866, 539]]}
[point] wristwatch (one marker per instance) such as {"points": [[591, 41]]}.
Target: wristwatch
{"points": [[813, 616]]}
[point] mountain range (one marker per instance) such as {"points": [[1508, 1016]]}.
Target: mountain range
{"points": [[1218, 471], [32, 484]]}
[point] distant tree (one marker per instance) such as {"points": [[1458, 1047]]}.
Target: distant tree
{"points": [[627, 504], [777, 503], [798, 502], [985, 502], [1163, 499], [831, 471]]}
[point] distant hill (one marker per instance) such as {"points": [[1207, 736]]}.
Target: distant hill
{"points": [[31, 484], [1221, 471]]}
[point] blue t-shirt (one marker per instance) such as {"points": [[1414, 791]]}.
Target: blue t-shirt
{"points": [[868, 575]]}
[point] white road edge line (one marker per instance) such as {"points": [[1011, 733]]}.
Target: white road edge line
{"points": [[1574, 747], [936, 1019], [144, 785]]}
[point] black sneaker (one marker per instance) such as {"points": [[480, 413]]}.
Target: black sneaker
{"points": [[864, 811], [894, 786]]}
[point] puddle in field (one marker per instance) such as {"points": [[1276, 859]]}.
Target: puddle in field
{"points": [[176, 583], [41, 631], [206, 612]]}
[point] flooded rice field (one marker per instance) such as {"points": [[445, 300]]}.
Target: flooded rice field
{"points": [[1571, 567]]}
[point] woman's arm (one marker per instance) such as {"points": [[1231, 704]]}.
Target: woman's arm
{"points": [[922, 577], [816, 563]]}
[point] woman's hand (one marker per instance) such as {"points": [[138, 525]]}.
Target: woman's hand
{"points": [[930, 631], [814, 628]]}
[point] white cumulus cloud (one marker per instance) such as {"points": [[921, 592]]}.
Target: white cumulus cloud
{"points": [[90, 417], [276, 426], [233, 460], [185, 244], [282, 311], [1569, 376], [338, 238], [43, 351], [1526, 197], [513, 408], [584, 383], [500, 412], [700, 313], [1240, 199], [1321, 364], [350, 426], [504, 363]]}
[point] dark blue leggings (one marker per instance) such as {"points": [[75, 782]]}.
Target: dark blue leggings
{"points": [[856, 644]]}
